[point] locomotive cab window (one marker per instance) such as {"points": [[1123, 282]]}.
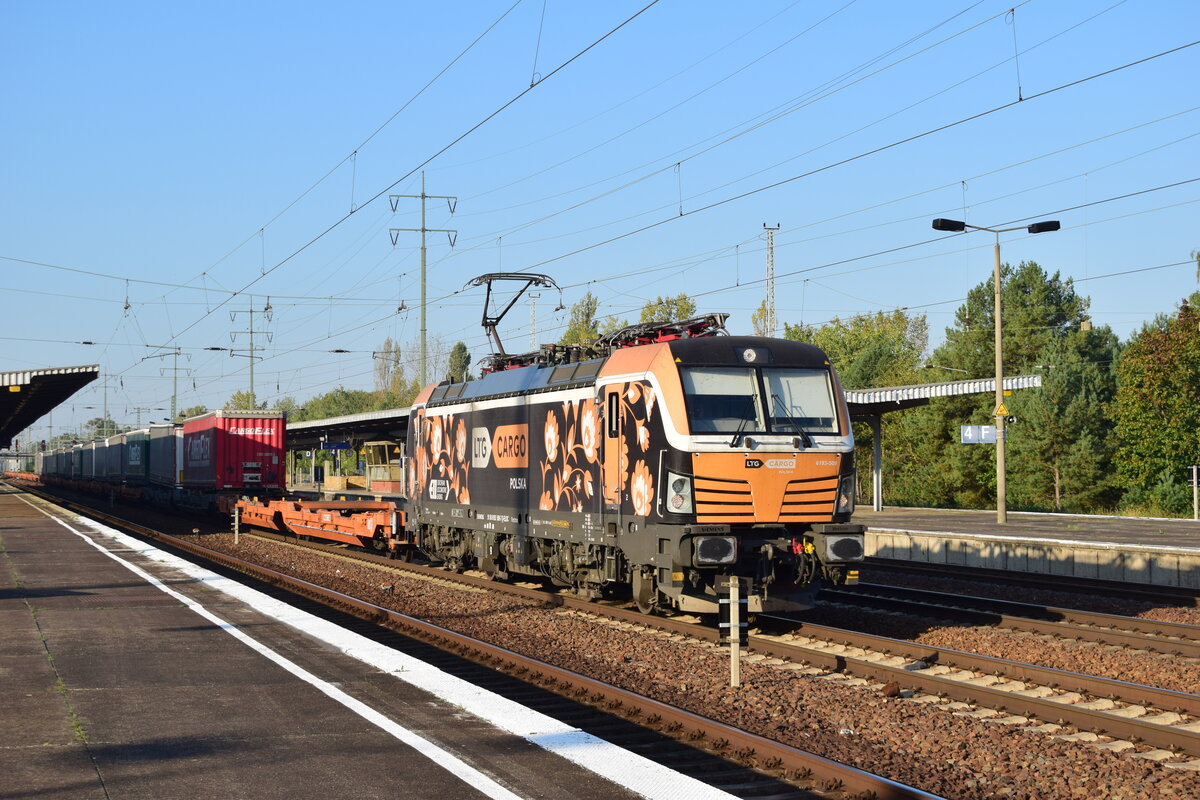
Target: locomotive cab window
{"points": [[613, 414], [722, 400], [800, 400]]}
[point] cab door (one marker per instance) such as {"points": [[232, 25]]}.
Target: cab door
{"points": [[613, 475]]}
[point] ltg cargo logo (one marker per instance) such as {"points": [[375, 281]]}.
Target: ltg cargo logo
{"points": [[508, 447]]}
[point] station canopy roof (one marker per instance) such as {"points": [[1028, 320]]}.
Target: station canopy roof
{"points": [[391, 424], [28, 395], [869, 402]]}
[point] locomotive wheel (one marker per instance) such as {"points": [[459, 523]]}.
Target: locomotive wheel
{"points": [[645, 591], [495, 571]]}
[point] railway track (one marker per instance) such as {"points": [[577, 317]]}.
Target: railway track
{"points": [[1163, 595], [769, 768], [1131, 716], [1127, 712], [1143, 634]]}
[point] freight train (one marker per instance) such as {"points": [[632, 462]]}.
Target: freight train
{"points": [[658, 462], [205, 463]]}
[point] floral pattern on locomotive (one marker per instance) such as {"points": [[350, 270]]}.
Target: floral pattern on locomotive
{"points": [[445, 454], [636, 472], [570, 471]]}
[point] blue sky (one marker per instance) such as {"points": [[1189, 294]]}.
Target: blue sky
{"points": [[188, 161]]}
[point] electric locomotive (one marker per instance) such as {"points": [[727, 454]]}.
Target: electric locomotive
{"points": [[662, 460]]}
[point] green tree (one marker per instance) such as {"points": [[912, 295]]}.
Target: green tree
{"points": [[100, 427], [243, 399], [340, 402], [581, 325], [758, 320], [928, 466], [1036, 309], [288, 405], [1157, 407], [389, 372], [1062, 445], [870, 350], [668, 309], [192, 411], [867, 350], [460, 363]]}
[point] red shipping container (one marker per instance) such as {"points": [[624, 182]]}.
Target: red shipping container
{"points": [[235, 449]]}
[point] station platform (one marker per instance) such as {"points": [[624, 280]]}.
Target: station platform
{"points": [[1163, 552], [130, 673]]}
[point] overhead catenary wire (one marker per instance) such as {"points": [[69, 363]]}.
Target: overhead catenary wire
{"points": [[128, 333], [337, 223]]}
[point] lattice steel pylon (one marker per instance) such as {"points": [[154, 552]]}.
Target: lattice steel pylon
{"points": [[769, 322]]}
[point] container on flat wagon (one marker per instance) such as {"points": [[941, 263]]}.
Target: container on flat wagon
{"points": [[135, 469], [234, 449], [166, 455], [76, 462], [90, 451], [43, 463], [114, 458]]}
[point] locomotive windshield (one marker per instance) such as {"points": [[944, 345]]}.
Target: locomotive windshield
{"points": [[758, 400], [800, 400]]}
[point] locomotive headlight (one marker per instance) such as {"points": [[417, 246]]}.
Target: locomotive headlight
{"points": [[842, 548], [679, 493], [845, 495], [715, 549]]}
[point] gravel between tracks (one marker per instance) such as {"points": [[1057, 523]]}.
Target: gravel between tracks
{"points": [[954, 756], [1135, 666]]}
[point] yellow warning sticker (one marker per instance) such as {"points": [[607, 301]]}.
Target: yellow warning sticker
{"points": [[1001, 410]]}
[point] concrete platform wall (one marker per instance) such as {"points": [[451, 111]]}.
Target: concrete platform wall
{"points": [[1126, 562]]}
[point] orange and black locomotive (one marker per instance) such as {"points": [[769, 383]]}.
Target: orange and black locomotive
{"points": [[657, 462]]}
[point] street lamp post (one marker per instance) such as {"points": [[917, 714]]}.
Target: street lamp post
{"points": [[957, 226]]}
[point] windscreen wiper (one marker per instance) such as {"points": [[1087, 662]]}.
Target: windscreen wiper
{"points": [[804, 437], [737, 436]]}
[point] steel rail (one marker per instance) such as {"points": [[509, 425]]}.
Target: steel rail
{"points": [[1095, 685], [1075, 616], [1188, 648], [1131, 728], [1174, 595]]}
